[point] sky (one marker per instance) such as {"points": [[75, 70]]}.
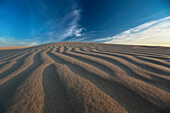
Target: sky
{"points": [[35, 22]]}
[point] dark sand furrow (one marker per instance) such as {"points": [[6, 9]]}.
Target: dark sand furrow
{"points": [[139, 50], [57, 49], [56, 99], [12, 66], [151, 73], [135, 51], [8, 89], [13, 61], [84, 65], [10, 57], [142, 64], [92, 62], [30, 91], [27, 62], [129, 99], [154, 61], [84, 72], [2, 64], [161, 57], [127, 52], [118, 59], [84, 95], [161, 69], [163, 84], [14, 56], [61, 49], [147, 58], [151, 93]]}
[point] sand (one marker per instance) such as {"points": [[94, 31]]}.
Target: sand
{"points": [[4, 51], [74, 77], [7, 48]]}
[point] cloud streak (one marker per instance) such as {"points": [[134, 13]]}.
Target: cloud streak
{"points": [[64, 26], [74, 28], [156, 32]]}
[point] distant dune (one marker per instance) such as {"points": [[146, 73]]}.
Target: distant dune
{"points": [[74, 77], [5, 48]]}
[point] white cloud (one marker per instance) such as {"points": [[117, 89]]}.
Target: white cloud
{"points": [[78, 32], [155, 32], [73, 28]]}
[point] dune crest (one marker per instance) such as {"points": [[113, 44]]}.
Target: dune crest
{"points": [[74, 77]]}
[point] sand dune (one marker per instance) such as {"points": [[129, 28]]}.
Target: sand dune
{"points": [[74, 77]]}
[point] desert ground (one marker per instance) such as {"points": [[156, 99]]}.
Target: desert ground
{"points": [[74, 77]]}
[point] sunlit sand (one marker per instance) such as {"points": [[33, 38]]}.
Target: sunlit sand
{"points": [[74, 77]]}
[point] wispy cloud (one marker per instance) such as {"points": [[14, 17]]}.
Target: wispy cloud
{"points": [[65, 25], [156, 32], [51, 23], [73, 28]]}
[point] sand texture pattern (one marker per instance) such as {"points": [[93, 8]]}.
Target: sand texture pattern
{"points": [[75, 77]]}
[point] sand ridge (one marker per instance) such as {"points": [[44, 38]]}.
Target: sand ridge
{"points": [[74, 77]]}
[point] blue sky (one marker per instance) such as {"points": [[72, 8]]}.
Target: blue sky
{"points": [[34, 22]]}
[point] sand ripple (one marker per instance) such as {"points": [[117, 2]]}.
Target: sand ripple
{"points": [[70, 77]]}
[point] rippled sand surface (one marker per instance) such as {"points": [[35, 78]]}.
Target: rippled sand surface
{"points": [[74, 77]]}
